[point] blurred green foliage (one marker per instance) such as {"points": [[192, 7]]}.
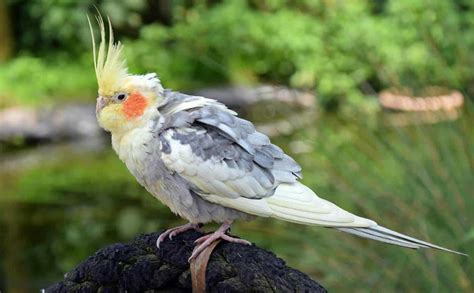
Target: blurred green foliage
{"points": [[346, 51], [32, 80], [417, 179]]}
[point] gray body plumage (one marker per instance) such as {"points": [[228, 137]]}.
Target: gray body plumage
{"points": [[215, 135]]}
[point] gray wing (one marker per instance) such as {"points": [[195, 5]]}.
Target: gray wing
{"points": [[219, 153]]}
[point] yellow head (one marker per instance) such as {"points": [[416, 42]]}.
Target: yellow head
{"points": [[125, 101]]}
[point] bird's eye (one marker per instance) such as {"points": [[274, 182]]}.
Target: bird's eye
{"points": [[120, 97]]}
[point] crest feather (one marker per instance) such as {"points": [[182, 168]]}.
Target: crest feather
{"points": [[109, 63]]}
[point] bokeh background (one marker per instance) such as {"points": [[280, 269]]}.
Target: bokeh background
{"points": [[310, 73]]}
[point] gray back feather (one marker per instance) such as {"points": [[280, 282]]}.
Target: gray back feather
{"points": [[214, 133]]}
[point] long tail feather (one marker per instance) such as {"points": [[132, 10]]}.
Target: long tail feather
{"points": [[298, 204], [383, 234]]}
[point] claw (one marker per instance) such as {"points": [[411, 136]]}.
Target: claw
{"points": [[170, 233], [206, 240]]}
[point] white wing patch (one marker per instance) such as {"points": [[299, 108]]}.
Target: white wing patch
{"points": [[210, 176]]}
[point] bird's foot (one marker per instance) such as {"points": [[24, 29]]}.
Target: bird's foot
{"points": [[220, 233], [170, 233]]}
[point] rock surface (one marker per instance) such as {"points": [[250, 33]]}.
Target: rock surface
{"points": [[63, 122], [242, 96], [140, 267]]}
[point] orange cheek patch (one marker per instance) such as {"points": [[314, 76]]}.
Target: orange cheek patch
{"points": [[135, 105]]}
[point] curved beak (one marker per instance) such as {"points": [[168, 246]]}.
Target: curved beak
{"points": [[101, 103]]}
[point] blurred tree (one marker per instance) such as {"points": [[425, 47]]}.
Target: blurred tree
{"points": [[346, 51], [49, 27], [6, 40], [161, 11]]}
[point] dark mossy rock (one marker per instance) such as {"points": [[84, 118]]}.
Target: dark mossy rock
{"points": [[140, 267]]}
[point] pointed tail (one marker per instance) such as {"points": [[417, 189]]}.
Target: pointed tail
{"points": [[299, 204], [383, 234]]}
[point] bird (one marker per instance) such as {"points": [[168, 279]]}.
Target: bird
{"points": [[204, 162]]}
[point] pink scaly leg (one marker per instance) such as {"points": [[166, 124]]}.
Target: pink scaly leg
{"points": [[206, 240], [176, 230]]}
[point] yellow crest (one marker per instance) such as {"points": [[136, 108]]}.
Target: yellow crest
{"points": [[109, 63]]}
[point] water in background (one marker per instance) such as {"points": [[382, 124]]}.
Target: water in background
{"points": [[61, 203]]}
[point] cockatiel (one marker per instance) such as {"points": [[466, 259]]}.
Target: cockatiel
{"points": [[205, 163]]}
